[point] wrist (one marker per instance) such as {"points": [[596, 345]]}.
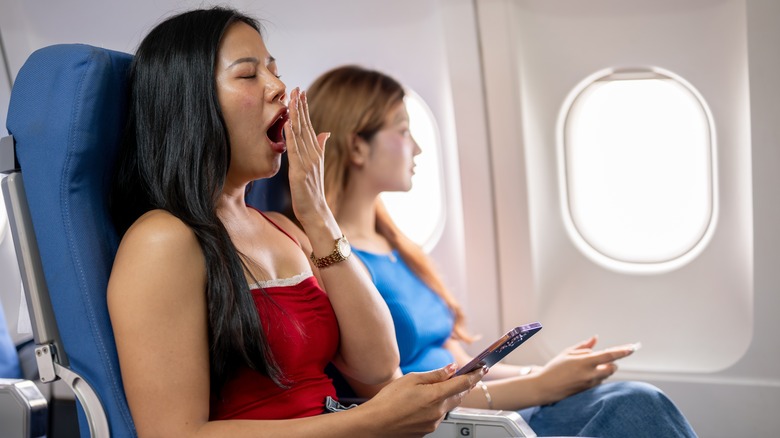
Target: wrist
{"points": [[341, 251], [370, 424], [315, 217], [536, 390], [322, 231], [485, 392]]}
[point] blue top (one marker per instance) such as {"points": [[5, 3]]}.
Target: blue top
{"points": [[423, 322]]}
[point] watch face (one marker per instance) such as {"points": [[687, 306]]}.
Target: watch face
{"points": [[344, 247]]}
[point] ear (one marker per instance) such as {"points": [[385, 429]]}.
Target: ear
{"points": [[359, 150]]}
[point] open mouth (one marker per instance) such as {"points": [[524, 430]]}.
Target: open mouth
{"points": [[276, 130]]}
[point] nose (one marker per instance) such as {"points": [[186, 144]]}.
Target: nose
{"points": [[416, 151], [276, 90]]}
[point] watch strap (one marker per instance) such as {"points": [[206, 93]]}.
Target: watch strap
{"points": [[331, 259]]}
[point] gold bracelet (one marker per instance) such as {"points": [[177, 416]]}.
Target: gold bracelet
{"points": [[487, 394]]}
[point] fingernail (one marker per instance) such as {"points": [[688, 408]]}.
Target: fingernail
{"points": [[451, 368], [636, 346], [485, 369]]}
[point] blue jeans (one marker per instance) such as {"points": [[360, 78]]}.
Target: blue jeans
{"points": [[617, 409]]}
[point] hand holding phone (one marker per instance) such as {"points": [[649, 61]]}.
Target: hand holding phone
{"points": [[499, 349]]}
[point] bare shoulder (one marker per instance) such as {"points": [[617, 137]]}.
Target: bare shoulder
{"points": [[158, 233], [159, 228], [158, 251]]}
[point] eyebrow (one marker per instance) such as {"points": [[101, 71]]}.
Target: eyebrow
{"points": [[241, 60], [251, 59], [400, 118]]}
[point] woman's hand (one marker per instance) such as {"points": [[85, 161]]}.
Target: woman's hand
{"points": [[416, 403], [306, 155], [576, 369]]}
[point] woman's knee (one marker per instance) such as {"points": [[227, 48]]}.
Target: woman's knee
{"points": [[638, 395]]}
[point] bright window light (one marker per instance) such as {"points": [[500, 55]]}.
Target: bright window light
{"points": [[419, 213], [638, 167]]}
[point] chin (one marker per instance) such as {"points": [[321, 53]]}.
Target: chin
{"points": [[400, 188], [272, 169]]}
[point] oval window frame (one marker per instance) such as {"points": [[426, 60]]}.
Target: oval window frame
{"points": [[576, 236]]}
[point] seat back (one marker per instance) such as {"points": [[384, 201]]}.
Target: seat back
{"points": [[66, 116]]}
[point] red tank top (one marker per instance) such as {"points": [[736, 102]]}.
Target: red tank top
{"points": [[303, 335]]}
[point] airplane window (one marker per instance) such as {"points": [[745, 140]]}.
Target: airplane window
{"points": [[637, 151], [419, 213]]}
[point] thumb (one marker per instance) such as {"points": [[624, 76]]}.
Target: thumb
{"points": [[588, 343], [438, 375], [322, 138]]}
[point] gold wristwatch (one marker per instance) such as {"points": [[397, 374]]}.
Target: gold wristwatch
{"points": [[340, 253]]}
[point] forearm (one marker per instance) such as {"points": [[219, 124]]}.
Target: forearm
{"points": [[506, 394], [507, 371], [368, 350]]}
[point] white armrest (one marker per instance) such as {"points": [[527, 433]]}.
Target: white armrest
{"points": [[23, 409], [482, 423]]}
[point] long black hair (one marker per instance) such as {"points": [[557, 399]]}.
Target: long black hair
{"points": [[174, 156]]}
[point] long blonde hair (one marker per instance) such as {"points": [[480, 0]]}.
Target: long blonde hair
{"points": [[352, 101]]}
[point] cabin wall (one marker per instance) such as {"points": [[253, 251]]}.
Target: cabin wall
{"points": [[705, 325], [5, 87], [491, 70]]}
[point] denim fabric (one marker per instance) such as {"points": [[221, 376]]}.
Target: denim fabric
{"points": [[618, 409]]}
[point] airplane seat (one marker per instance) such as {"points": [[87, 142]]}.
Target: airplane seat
{"points": [[65, 117]]}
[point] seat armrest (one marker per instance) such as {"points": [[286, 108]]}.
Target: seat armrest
{"points": [[482, 423], [23, 409]]}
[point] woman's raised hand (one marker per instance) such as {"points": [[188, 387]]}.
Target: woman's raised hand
{"points": [[306, 155], [415, 404], [578, 368]]}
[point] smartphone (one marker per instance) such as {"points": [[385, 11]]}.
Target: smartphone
{"points": [[499, 349]]}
